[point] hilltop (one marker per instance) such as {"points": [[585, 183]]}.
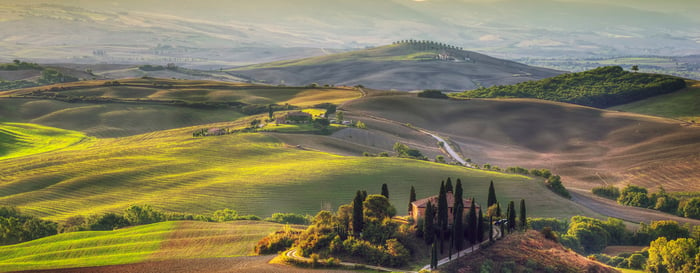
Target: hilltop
{"points": [[526, 252], [601, 87], [404, 65]]}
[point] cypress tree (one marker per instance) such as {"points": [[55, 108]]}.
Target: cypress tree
{"points": [[448, 185], [492, 195], [458, 227], [471, 223], [364, 195], [498, 210], [412, 198], [357, 214], [428, 224], [511, 216], [385, 190], [491, 228], [480, 227], [523, 215], [433, 257], [442, 216]]}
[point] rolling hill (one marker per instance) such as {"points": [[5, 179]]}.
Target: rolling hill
{"points": [[601, 87], [683, 104], [408, 65], [147, 243], [251, 173], [19, 139], [587, 146], [526, 252], [136, 106]]}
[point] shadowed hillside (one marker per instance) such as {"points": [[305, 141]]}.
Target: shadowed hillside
{"points": [[587, 146], [526, 252], [410, 65]]}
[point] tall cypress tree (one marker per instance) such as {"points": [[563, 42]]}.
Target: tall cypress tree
{"points": [[523, 215], [492, 195], [511, 216], [498, 210], [480, 227], [412, 198], [433, 257], [364, 195], [458, 227], [428, 224], [448, 185], [491, 228], [471, 223], [357, 214], [442, 215], [385, 190]]}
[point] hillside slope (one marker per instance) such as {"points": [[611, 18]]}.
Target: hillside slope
{"points": [[587, 146], [154, 242], [683, 104], [526, 252], [251, 173], [401, 66]]}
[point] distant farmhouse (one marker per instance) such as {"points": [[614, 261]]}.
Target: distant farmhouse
{"points": [[418, 207], [294, 118]]}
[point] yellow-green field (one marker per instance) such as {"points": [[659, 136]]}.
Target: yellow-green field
{"points": [[168, 240], [683, 104], [22, 139], [251, 173]]}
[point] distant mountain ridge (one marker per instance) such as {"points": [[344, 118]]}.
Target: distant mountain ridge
{"points": [[405, 65]]}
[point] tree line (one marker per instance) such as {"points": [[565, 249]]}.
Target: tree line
{"points": [[637, 196], [601, 87]]}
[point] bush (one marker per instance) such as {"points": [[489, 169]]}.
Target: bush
{"points": [[554, 184], [610, 192], [276, 242], [290, 218], [433, 94]]}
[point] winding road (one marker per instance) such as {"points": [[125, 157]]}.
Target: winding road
{"points": [[449, 149]]}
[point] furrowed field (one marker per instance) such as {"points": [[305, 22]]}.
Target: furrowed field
{"points": [[250, 173], [167, 240], [21, 139]]}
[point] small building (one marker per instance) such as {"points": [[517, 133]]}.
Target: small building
{"points": [[215, 132], [418, 207], [294, 118]]}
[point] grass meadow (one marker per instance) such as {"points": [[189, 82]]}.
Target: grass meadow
{"points": [[683, 105], [171, 240], [251, 173]]}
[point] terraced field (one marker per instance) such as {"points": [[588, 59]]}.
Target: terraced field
{"points": [[251, 173], [154, 242]]}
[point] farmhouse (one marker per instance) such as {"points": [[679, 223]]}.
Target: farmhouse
{"points": [[418, 207], [294, 118]]}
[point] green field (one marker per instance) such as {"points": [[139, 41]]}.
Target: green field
{"points": [[171, 240], [682, 105], [251, 173], [22, 139]]}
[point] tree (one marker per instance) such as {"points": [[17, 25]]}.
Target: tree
{"points": [[271, 111], [429, 224], [357, 214], [433, 257], [491, 228], [458, 226], [448, 185], [480, 227], [377, 206], [339, 116], [442, 215], [411, 198], [385, 190], [492, 196], [471, 223], [523, 215], [635, 68], [360, 125], [511, 216]]}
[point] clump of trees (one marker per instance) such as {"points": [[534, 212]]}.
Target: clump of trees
{"points": [[637, 196], [432, 94], [554, 184], [16, 227], [402, 150], [601, 87]]}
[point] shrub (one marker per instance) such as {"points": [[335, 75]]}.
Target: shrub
{"points": [[554, 183], [276, 242], [610, 192], [433, 94], [289, 218]]}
